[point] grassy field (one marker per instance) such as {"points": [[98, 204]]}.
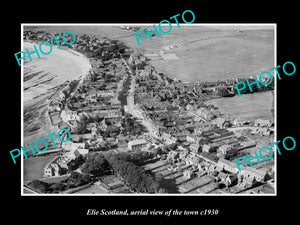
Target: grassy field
{"points": [[214, 54], [248, 106], [206, 53], [33, 167]]}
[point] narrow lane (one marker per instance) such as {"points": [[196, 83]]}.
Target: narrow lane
{"points": [[134, 109]]}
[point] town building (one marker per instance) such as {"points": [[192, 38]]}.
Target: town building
{"points": [[227, 165], [79, 152], [172, 155], [264, 131], [227, 150], [231, 179], [221, 177], [188, 173], [262, 123], [205, 113], [239, 122], [51, 169], [194, 147], [208, 148], [71, 146], [192, 159], [221, 122], [259, 175], [136, 145]]}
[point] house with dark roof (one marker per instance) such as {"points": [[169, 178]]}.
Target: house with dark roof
{"points": [[231, 179]]}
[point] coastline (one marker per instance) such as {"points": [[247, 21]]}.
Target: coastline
{"points": [[136, 62], [82, 62], [41, 79]]}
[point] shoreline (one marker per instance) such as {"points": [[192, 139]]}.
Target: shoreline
{"points": [[49, 75], [45, 76], [133, 85]]}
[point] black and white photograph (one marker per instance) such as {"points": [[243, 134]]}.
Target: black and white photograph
{"points": [[163, 117], [127, 113]]}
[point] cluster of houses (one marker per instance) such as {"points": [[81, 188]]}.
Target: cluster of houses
{"points": [[95, 108], [132, 28], [91, 45], [259, 126], [181, 117], [174, 108], [45, 36], [57, 167], [223, 171], [91, 99], [92, 106]]}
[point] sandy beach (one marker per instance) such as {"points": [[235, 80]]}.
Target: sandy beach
{"points": [[41, 77], [48, 71]]}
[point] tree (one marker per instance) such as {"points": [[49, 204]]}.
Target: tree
{"points": [[75, 163], [59, 186], [146, 155], [222, 91], [40, 186], [157, 151], [95, 164], [168, 184], [85, 178], [76, 179], [70, 185], [135, 176]]}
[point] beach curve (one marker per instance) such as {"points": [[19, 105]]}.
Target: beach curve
{"points": [[41, 78]]}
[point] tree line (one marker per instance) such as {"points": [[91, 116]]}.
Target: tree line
{"points": [[74, 180], [94, 164], [134, 176]]}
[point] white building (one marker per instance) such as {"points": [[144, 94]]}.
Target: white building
{"points": [[259, 175], [51, 169], [227, 165], [137, 144], [263, 123], [70, 146]]}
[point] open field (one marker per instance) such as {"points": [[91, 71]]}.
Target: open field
{"points": [[247, 107], [205, 52], [34, 167], [209, 53]]}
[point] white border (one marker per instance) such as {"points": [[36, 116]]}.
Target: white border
{"points": [[22, 114], [147, 24]]}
